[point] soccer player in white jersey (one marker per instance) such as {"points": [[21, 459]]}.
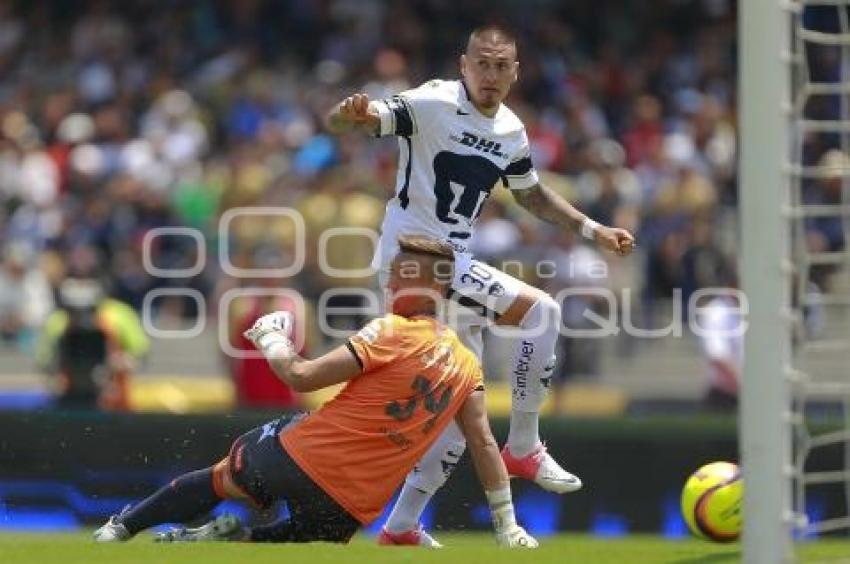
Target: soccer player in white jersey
{"points": [[457, 142]]}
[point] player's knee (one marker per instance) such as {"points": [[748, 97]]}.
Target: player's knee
{"points": [[551, 308], [544, 314]]}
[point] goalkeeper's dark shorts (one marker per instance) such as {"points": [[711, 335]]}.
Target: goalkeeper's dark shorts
{"points": [[263, 469]]}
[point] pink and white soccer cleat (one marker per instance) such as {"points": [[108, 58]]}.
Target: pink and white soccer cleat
{"points": [[415, 537], [541, 468]]}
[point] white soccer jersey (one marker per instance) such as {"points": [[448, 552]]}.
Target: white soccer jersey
{"points": [[451, 157]]}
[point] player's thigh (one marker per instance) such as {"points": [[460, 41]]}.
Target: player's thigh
{"points": [[315, 515], [255, 463], [488, 294], [266, 471], [319, 518]]}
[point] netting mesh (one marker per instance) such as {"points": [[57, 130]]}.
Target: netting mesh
{"points": [[818, 209]]}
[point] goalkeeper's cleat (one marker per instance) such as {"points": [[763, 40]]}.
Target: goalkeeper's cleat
{"points": [[112, 531], [225, 527], [415, 537], [174, 534], [541, 468]]}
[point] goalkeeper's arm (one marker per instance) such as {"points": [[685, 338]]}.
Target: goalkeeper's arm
{"points": [[304, 375], [491, 471], [270, 334]]}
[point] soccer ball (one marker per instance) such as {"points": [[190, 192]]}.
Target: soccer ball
{"points": [[712, 500]]}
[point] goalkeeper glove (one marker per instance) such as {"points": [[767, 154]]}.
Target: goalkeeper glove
{"points": [[271, 334]]}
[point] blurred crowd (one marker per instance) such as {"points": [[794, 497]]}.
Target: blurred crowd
{"points": [[117, 118]]}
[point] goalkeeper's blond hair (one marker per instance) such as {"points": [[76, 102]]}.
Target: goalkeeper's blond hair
{"points": [[423, 245], [439, 255]]}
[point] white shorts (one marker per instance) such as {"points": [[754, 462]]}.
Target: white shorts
{"points": [[478, 295]]}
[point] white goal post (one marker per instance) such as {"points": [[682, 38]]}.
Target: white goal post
{"points": [[765, 438], [794, 173]]}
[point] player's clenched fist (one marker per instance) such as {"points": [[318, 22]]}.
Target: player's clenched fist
{"points": [[615, 239], [272, 331], [276, 322], [516, 537], [355, 108], [354, 111]]}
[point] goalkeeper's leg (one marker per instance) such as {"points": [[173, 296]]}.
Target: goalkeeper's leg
{"points": [[185, 498], [260, 470], [188, 497]]}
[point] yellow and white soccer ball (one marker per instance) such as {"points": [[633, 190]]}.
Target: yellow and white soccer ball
{"points": [[712, 500]]}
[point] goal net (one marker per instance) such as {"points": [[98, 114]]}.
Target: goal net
{"points": [[795, 268], [819, 224]]}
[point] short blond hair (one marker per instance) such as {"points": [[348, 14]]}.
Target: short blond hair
{"points": [[424, 245], [435, 258]]}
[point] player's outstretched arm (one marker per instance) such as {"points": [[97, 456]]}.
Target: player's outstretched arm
{"points": [[473, 422], [271, 335], [549, 206], [353, 113]]}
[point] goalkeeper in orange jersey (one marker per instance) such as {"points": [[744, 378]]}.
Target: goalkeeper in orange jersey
{"points": [[408, 376]]}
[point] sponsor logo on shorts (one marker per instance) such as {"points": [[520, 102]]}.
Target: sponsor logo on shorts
{"points": [[496, 290], [269, 430]]}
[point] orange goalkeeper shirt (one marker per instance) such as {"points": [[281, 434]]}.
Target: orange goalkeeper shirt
{"points": [[360, 445]]}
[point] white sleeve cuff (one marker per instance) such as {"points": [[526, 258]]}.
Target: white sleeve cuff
{"points": [[387, 118], [523, 182], [588, 228]]}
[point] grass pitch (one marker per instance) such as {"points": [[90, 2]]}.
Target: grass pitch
{"points": [[470, 548]]}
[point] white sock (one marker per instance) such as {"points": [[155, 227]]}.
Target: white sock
{"points": [[407, 510], [524, 434], [532, 363]]}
